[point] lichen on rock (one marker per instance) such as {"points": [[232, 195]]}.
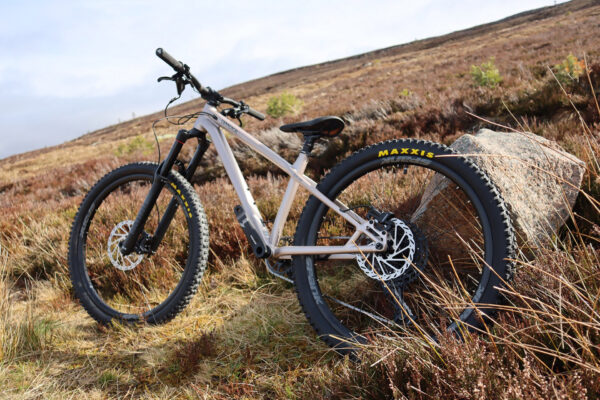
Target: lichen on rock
{"points": [[538, 180]]}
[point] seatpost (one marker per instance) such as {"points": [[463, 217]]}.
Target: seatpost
{"points": [[309, 143]]}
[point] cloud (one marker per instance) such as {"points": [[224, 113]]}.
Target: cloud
{"points": [[71, 67]]}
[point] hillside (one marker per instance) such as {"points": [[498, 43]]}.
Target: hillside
{"points": [[436, 70], [244, 335]]}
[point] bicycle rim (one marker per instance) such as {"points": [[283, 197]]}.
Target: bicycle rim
{"points": [[451, 250]]}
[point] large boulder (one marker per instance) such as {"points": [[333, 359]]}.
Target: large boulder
{"points": [[538, 180]]}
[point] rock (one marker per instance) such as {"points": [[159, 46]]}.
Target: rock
{"points": [[448, 221], [538, 180]]}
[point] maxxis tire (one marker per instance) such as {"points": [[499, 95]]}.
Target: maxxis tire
{"points": [[195, 265], [325, 323]]}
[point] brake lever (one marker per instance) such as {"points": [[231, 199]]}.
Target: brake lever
{"points": [[174, 77], [180, 84], [179, 79]]}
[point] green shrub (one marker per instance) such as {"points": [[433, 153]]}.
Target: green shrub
{"points": [[486, 74], [569, 70], [138, 143], [405, 93], [285, 103]]}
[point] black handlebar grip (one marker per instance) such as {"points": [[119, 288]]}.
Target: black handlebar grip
{"points": [[197, 85], [166, 57], [256, 114]]}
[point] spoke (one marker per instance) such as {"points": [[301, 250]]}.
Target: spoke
{"points": [[143, 290], [441, 233], [360, 310], [399, 302]]}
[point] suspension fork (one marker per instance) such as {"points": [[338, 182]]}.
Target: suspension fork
{"points": [[167, 217], [160, 178]]}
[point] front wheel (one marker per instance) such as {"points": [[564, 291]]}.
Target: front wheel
{"points": [[141, 286], [450, 246]]}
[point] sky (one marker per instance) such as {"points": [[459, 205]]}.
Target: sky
{"points": [[70, 67]]}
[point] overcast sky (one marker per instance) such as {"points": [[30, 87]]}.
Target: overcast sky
{"points": [[71, 67]]}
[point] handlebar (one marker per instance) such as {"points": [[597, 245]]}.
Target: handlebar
{"points": [[258, 115], [243, 108], [207, 93], [182, 69], [166, 57]]}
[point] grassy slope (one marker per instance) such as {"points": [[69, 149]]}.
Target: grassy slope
{"points": [[244, 333]]}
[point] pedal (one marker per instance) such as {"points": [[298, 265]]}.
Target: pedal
{"points": [[260, 248]]}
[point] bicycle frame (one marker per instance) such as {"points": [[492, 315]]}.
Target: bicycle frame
{"points": [[211, 121]]}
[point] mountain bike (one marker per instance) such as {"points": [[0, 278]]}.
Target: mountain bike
{"points": [[403, 234]]}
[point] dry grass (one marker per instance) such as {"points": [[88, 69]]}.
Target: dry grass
{"points": [[243, 335]]}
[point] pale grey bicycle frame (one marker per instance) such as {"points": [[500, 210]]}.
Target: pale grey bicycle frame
{"points": [[212, 121]]}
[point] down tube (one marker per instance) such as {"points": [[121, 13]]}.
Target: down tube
{"points": [[237, 180]]}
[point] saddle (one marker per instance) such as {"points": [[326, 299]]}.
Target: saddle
{"points": [[323, 126]]}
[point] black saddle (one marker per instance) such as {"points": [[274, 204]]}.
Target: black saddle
{"points": [[323, 126]]}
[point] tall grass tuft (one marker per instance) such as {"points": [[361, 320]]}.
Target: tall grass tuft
{"points": [[22, 332], [543, 343]]}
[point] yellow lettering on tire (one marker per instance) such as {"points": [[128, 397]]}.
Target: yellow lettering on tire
{"points": [[405, 150], [187, 206]]}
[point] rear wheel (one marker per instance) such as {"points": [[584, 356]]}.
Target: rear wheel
{"points": [[140, 286], [450, 242]]}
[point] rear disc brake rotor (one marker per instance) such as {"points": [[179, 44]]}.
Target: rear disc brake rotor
{"points": [[396, 260]]}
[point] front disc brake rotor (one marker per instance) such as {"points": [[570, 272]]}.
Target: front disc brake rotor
{"points": [[396, 260], [117, 259]]}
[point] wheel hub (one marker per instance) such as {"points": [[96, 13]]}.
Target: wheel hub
{"points": [[396, 260], [117, 259]]}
